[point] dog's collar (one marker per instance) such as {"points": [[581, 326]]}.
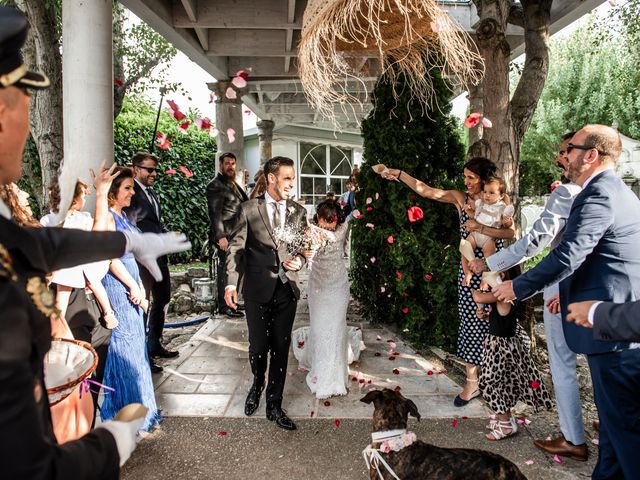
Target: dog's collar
{"points": [[390, 441]]}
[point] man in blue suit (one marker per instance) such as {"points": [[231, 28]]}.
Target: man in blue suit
{"points": [[598, 259], [618, 322]]}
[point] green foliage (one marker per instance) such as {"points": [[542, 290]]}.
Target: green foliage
{"points": [[184, 204], [593, 78], [418, 270]]}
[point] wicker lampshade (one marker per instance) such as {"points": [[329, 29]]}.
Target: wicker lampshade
{"points": [[406, 37]]}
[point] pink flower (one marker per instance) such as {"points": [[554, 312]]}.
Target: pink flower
{"points": [[187, 173]]}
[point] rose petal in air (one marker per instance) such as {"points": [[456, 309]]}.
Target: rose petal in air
{"points": [[183, 127], [405, 310], [390, 239], [171, 171], [231, 94], [373, 259], [472, 120], [231, 134], [239, 82], [557, 459], [486, 123], [415, 213]]}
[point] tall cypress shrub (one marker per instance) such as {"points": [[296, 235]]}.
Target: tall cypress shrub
{"points": [[404, 272]]}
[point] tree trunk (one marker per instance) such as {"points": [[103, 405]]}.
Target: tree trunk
{"points": [[510, 119], [42, 53]]}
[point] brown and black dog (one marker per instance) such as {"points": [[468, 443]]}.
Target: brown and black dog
{"points": [[423, 461]]}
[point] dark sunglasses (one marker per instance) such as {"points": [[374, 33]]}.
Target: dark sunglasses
{"points": [[571, 146], [149, 169]]}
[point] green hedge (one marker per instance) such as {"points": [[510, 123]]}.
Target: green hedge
{"points": [[412, 281], [184, 204]]}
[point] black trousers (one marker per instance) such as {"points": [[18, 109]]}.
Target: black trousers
{"points": [[159, 295], [269, 338]]}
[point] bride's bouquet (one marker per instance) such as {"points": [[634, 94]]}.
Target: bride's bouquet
{"points": [[315, 239]]}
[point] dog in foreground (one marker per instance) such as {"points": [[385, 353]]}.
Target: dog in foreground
{"points": [[396, 454]]}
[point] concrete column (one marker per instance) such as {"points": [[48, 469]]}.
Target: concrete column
{"points": [[265, 136], [87, 74], [229, 115]]}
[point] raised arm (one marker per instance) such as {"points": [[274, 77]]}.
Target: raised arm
{"points": [[439, 195]]}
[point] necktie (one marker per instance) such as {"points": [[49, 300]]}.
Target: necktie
{"points": [[276, 215], [154, 201]]}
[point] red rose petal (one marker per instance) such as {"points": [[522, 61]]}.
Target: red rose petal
{"points": [[430, 372], [397, 389], [396, 371], [337, 423], [327, 403], [472, 120], [454, 422], [222, 434], [415, 213]]}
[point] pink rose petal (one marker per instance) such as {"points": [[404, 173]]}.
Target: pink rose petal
{"points": [[239, 82], [557, 459], [187, 173], [529, 462], [171, 171], [472, 120], [486, 123], [231, 94], [231, 134], [390, 239]]}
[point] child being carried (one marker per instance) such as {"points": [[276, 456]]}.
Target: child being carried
{"points": [[494, 211]]}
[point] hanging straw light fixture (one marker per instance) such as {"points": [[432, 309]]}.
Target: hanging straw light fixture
{"points": [[406, 36]]}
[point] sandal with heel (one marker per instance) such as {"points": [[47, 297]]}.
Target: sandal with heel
{"points": [[461, 402]]}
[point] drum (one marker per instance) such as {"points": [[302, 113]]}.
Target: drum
{"points": [[66, 365]]}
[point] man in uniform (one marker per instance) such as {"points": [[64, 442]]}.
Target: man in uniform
{"points": [[28, 449]]}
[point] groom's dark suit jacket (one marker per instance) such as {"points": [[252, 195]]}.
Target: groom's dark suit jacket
{"points": [[617, 321], [254, 247], [142, 214], [224, 198], [597, 259]]}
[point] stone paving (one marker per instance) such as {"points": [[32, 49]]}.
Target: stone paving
{"points": [[211, 376]]}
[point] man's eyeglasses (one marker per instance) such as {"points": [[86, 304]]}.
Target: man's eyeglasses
{"points": [[148, 169], [571, 146]]}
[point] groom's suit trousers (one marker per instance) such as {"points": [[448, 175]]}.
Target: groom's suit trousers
{"points": [[270, 327]]}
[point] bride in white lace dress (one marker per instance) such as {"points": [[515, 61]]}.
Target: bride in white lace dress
{"points": [[328, 345]]}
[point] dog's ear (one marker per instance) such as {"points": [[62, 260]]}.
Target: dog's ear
{"points": [[372, 396], [413, 410]]}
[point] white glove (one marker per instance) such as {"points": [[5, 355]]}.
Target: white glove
{"points": [[147, 247], [125, 434]]}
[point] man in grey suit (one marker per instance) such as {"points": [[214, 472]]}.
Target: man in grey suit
{"points": [[548, 230], [270, 283], [598, 259], [613, 322]]}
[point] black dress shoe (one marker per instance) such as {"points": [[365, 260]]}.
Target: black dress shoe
{"points": [[253, 399], [280, 416], [230, 312], [155, 368], [240, 307], [163, 352]]}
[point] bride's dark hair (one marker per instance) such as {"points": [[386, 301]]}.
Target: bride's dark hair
{"points": [[329, 210]]}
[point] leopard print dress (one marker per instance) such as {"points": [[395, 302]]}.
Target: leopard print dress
{"points": [[508, 374]]}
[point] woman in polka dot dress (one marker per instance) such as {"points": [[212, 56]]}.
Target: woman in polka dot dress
{"points": [[472, 330]]}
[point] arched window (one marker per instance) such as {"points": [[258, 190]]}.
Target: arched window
{"points": [[323, 168]]}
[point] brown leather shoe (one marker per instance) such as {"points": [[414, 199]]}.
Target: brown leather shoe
{"points": [[559, 446]]}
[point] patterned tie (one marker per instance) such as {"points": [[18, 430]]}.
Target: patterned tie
{"points": [[276, 215]]}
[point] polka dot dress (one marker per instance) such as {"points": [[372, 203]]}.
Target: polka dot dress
{"points": [[472, 330]]}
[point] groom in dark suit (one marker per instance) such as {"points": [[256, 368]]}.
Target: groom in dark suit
{"points": [[145, 213], [270, 284], [598, 259]]}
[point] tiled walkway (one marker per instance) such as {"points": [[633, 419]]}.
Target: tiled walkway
{"points": [[211, 376]]}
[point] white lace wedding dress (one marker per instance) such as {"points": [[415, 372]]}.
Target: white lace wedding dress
{"points": [[328, 345]]}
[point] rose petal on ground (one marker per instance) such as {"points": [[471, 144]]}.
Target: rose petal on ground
{"points": [[361, 380], [430, 372], [290, 374], [392, 344], [327, 403], [395, 371], [337, 423], [529, 462], [454, 422], [377, 354], [557, 459], [397, 389]]}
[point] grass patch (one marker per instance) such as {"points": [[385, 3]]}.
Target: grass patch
{"points": [[183, 267]]}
